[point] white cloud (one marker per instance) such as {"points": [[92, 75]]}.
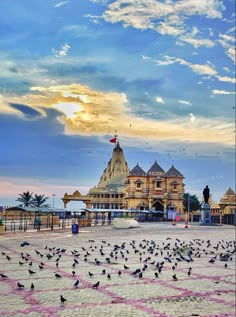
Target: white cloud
{"points": [[62, 52], [222, 92], [92, 111], [226, 69], [197, 42], [160, 100], [231, 53], [184, 102], [226, 79], [166, 18], [60, 4], [201, 69], [145, 57], [192, 117]]}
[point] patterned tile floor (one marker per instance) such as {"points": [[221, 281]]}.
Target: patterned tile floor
{"points": [[156, 250]]}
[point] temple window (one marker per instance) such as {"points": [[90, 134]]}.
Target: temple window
{"points": [[158, 184]]}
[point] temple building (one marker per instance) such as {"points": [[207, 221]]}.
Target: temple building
{"points": [[228, 202], [121, 188]]}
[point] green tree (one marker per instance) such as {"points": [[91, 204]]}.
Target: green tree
{"points": [[39, 201], [25, 199], [192, 201]]}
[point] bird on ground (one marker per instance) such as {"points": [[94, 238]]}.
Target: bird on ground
{"points": [[3, 275], [189, 271], [73, 273], [156, 274], [119, 273], [30, 264], [96, 285], [226, 265], [104, 272], [175, 277], [63, 300], [212, 260], [108, 276], [76, 283], [126, 267], [8, 258], [32, 286], [20, 286], [41, 267], [91, 274], [31, 272], [57, 275]]}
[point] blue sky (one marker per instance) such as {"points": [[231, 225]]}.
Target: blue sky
{"points": [[160, 73]]}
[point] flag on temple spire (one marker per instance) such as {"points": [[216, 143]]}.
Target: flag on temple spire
{"points": [[113, 140]]}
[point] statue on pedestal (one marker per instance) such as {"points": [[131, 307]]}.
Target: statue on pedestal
{"points": [[206, 194]]}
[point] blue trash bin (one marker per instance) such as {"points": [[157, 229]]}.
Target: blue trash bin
{"points": [[75, 228]]}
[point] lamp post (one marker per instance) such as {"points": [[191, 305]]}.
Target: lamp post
{"points": [[187, 213], [53, 196]]}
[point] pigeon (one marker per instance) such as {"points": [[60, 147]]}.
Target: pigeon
{"points": [[20, 286], [175, 277], [63, 300], [31, 272], [91, 274], [119, 273], [96, 285], [57, 275], [108, 276], [76, 283], [23, 244], [32, 286], [3, 275]]}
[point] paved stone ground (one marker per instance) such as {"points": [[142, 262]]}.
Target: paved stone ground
{"points": [[155, 248]]}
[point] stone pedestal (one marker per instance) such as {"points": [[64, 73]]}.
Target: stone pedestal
{"points": [[205, 214]]}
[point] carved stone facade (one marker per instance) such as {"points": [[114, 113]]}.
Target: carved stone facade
{"points": [[110, 191], [120, 188], [155, 189], [228, 202]]}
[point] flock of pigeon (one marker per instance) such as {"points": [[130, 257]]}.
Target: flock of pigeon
{"points": [[150, 255]]}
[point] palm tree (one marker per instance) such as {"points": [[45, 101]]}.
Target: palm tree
{"points": [[191, 202], [25, 199], [39, 200]]}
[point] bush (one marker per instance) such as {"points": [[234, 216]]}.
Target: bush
{"points": [[1, 224]]}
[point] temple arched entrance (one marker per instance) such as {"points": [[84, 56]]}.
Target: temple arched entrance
{"points": [[76, 196], [158, 204]]}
